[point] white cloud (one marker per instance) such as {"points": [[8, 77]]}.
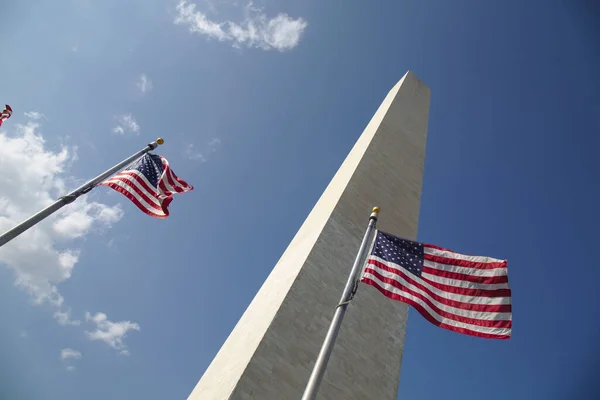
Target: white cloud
{"points": [[32, 178], [64, 318], [70, 354], [280, 32], [111, 333], [67, 353], [35, 115], [77, 223], [202, 155], [144, 83], [126, 123]]}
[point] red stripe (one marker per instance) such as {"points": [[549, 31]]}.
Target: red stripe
{"points": [[165, 177], [445, 314], [433, 246], [163, 200], [165, 205], [465, 263], [173, 182], [177, 184], [138, 179], [468, 291], [132, 184], [428, 316], [163, 188], [486, 280], [180, 182], [446, 288], [133, 199], [445, 301], [136, 184]]}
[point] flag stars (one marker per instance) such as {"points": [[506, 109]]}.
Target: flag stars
{"points": [[404, 253]]}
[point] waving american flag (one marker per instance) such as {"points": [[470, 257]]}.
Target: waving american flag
{"points": [[150, 184], [458, 292], [5, 114]]}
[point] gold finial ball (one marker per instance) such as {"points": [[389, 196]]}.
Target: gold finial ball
{"points": [[376, 210], [160, 140]]}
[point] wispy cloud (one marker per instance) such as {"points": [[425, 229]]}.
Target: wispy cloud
{"points": [[35, 115], [202, 154], [67, 353], [116, 241], [70, 354], [126, 124], [24, 334], [193, 154], [111, 333], [64, 318], [144, 83], [281, 32]]}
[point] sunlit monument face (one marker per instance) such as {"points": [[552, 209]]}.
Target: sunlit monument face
{"points": [[270, 353]]}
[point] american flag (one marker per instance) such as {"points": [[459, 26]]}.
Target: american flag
{"points": [[149, 183], [5, 114], [461, 293]]}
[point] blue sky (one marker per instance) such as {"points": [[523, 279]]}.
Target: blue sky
{"points": [[104, 302]]}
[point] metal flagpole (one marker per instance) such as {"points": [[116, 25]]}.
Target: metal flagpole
{"points": [[312, 387], [69, 198]]}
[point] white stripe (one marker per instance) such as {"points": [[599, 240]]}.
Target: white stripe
{"points": [[463, 284], [143, 177], [176, 181], [143, 202], [161, 192], [176, 184], [465, 270], [127, 175], [165, 180], [128, 181], [458, 256], [447, 295], [129, 189], [436, 316], [482, 315]]}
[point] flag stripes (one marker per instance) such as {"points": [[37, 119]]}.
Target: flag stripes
{"points": [[5, 114], [465, 294], [149, 183]]}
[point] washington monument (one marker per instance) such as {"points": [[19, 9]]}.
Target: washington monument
{"points": [[270, 353]]}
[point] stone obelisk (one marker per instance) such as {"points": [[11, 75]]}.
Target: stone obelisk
{"points": [[270, 353]]}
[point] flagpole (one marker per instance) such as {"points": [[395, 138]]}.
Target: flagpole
{"points": [[69, 198], [312, 387]]}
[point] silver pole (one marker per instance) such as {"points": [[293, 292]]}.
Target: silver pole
{"points": [[312, 387], [69, 198]]}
